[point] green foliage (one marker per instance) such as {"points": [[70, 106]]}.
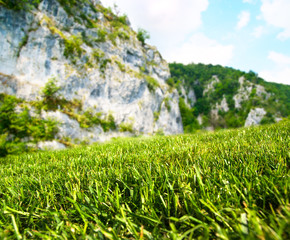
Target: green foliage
{"points": [[121, 66], [142, 35], [268, 119], [50, 93], [198, 76], [167, 103], [89, 119], [123, 35], [122, 19], [3, 143], [170, 82], [108, 13], [73, 6], [50, 90], [22, 44], [152, 83], [160, 132], [73, 46], [89, 40], [118, 24], [156, 116], [235, 119], [19, 127], [189, 122], [126, 127], [98, 54], [103, 64], [109, 123], [222, 185], [20, 4], [102, 33]]}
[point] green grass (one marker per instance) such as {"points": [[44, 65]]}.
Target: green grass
{"points": [[230, 184]]}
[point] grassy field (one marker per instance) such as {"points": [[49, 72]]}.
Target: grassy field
{"points": [[230, 184]]}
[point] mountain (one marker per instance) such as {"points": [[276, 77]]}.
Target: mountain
{"points": [[74, 71], [214, 97]]}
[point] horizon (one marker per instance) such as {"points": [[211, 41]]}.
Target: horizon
{"points": [[248, 35]]}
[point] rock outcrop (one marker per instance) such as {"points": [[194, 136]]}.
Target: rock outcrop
{"points": [[95, 58], [255, 116]]}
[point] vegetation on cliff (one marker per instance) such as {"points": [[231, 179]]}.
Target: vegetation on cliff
{"points": [[18, 126]]}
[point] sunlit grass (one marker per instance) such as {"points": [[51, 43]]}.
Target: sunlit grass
{"points": [[228, 184]]}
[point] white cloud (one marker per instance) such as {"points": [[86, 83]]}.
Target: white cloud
{"points": [[164, 15], [259, 31], [281, 76], [247, 1], [279, 58], [201, 49], [281, 69], [276, 13], [244, 19], [168, 21]]}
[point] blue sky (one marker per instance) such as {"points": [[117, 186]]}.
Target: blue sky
{"points": [[244, 34]]}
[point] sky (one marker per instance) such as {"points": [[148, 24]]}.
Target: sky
{"points": [[243, 34]]}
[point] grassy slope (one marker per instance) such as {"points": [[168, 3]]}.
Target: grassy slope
{"points": [[231, 183]]}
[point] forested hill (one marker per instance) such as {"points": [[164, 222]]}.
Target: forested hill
{"points": [[213, 96]]}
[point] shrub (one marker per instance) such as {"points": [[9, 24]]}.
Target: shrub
{"points": [[50, 95], [189, 122], [18, 127], [102, 33], [167, 103], [152, 83], [103, 64], [126, 127], [121, 66], [73, 46], [142, 35], [267, 119], [122, 19], [109, 123], [20, 5], [3, 148]]}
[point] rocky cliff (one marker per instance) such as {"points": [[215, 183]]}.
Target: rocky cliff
{"points": [[96, 64]]}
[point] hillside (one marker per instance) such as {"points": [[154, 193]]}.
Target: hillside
{"points": [[222, 97], [229, 184], [80, 67]]}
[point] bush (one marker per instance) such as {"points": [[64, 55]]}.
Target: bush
{"points": [[152, 83], [267, 119], [20, 5], [73, 46], [189, 122], [18, 127], [3, 149], [142, 35], [126, 127], [50, 95]]}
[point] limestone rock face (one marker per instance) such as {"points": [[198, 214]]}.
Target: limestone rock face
{"points": [[255, 116], [223, 105], [50, 145], [95, 60], [246, 88], [189, 98], [210, 86]]}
